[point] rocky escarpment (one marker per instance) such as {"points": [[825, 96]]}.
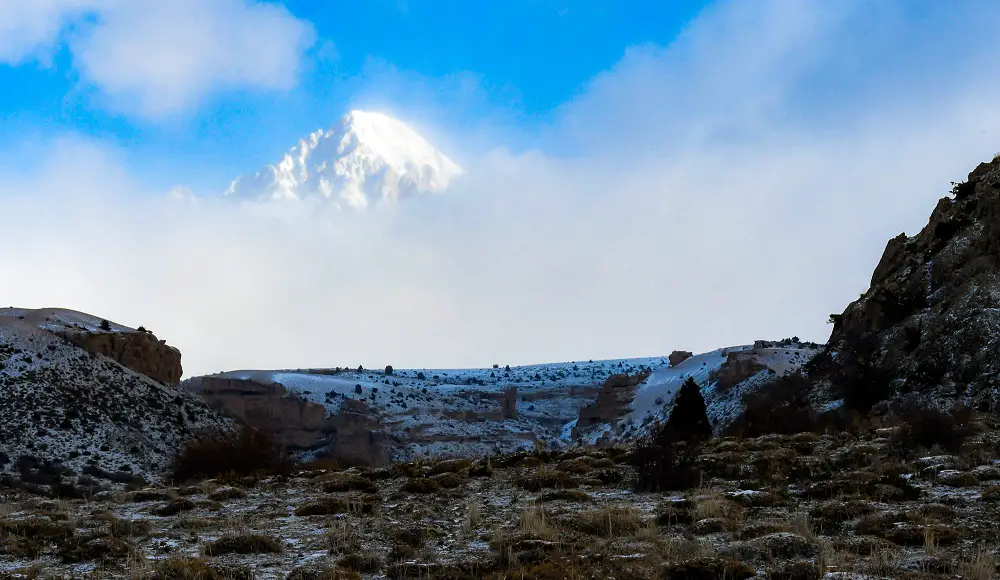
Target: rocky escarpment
{"points": [[71, 417], [139, 351], [928, 328], [136, 349], [612, 402], [354, 434]]}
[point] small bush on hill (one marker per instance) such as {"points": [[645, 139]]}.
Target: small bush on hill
{"points": [[244, 452]]}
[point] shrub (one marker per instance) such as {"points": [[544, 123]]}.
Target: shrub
{"points": [[927, 427], [243, 452], [421, 485], [609, 521], [708, 568], [172, 508], [782, 408], [244, 544], [322, 507], [664, 465], [322, 573], [224, 493], [187, 568], [546, 478], [336, 482], [90, 548]]}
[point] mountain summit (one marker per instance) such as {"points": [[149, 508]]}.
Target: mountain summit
{"points": [[366, 158]]}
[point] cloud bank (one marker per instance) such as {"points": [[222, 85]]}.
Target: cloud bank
{"points": [[157, 58], [725, 188]]}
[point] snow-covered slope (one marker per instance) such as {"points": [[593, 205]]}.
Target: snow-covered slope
{"points": [[477, 411], [654, 398], [367, 158], [67, 412]]}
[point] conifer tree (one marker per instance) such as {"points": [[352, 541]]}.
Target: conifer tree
{"points": [[689, 418]]}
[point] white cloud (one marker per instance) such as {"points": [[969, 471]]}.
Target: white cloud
{"points": [[751, 206], [30, 30], [158, 58]]}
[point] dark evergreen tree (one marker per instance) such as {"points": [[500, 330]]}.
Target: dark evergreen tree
{"points": [[689, 418], [665, 458]]}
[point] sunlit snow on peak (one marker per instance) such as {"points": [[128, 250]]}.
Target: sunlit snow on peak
{"points": [[368, 158]]}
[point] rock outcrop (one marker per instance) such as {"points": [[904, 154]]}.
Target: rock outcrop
{"points": [[679, 356], [353, 435], [139, 351], [69, 414], [612, 403], [928, 328], [739, 366]]}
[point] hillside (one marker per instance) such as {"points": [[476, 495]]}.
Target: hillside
{"points": [[72, 413], [374, 416]]}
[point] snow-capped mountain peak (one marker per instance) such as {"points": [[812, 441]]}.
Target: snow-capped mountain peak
{"points": [[366, 159]]}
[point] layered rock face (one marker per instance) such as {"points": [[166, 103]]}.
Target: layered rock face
{"points": [[929, 325], [611, 404], [137, 350], [352, 435]]}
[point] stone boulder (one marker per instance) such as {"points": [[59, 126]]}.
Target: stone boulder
{"points": [[679, 356]]}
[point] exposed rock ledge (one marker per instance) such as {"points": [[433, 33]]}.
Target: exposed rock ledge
{"points": [[352, 435], [139, 351]]}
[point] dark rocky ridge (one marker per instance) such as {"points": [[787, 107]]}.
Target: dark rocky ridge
{"points": [[928, 328]]}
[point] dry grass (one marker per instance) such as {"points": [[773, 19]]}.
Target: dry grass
{"points": [[322, 507], [338, 482], [473, 517], [715, 505], [534, 523], [342, 538], [609, 522], [599, 529], [244, 544], [982, 565]]}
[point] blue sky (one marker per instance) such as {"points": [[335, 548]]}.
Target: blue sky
{"points": [[515, 61], [641, 176]]}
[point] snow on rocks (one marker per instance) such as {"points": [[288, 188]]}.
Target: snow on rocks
{"points": [[67, 411]]}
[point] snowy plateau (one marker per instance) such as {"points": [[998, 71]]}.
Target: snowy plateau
{"points": [[366, 159]]}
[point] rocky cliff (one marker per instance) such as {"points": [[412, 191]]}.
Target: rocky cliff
{"points": [[353, 435], [928, 328], [139, 351], [69, 415]]}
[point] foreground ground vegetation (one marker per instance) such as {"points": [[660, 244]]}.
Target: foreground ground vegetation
{"points": [[917, 499]]}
